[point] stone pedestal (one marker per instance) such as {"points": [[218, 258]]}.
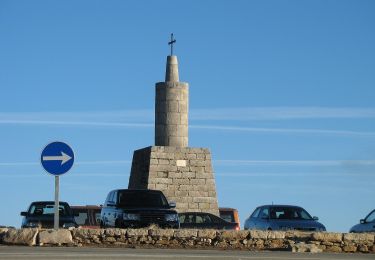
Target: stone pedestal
{"points": [[183, 174]]}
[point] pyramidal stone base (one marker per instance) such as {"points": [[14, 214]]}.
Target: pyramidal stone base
{"points": [[183, 174]]}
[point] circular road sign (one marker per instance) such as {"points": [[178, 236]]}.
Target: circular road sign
{"points": [[57, 158]]}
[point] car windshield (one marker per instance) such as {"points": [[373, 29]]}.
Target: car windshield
{"points": [[291, 213], [142, 199], [371, 217], [48, 208]]}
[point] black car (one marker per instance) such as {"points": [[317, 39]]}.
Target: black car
{"points": [[138, 208], [205, 220], [40, 214]]}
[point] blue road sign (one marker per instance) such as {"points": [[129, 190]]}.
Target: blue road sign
{"points": [[57, 158]]}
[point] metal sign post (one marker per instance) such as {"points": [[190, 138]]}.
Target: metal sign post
{"points": [[57, 158], [57, 206]]}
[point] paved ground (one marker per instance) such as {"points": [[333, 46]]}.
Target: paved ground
{"points": [[30, 253]]}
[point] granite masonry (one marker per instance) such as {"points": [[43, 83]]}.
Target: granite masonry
{"points": [[184, 174], [152, 237]]}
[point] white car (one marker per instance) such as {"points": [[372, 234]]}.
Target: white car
{"points": [[365, 225]]}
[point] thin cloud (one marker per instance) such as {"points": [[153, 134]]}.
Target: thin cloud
{"points": [[284, 130], [280, 113], [294, 162], [206, 127]]}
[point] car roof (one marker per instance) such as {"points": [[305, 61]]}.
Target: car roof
{"points": [[228, 209], [143, 190], [47, 202], [279, 205], [86, 207]]}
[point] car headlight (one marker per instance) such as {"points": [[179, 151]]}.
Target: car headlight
{"points": [[68, 225], [32, 225], [171, 217], [130, 216]]}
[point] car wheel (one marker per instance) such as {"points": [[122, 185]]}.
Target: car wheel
{"points": [[269, 229]]}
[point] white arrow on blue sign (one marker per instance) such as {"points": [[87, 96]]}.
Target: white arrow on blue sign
{"points": [[57, 158]]}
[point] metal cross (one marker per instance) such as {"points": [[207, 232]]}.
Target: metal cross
{"points": [[171, 43]]}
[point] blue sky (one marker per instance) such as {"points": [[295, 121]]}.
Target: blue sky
{"points": [[282, 92]]}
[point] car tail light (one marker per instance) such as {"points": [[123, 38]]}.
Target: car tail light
{"points": [[237, 227]]}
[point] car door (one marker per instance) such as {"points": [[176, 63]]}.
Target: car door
{"points": [[187, 220], [262, 221], [369, 225]]}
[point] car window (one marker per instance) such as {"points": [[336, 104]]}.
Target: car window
{"points": [[186, 218], [82, 218], [264, 213], [228, 216], [371, 217], [142, 199], [255, 213], [216, 219], [289, 213], [48, 209], [199, 219]]}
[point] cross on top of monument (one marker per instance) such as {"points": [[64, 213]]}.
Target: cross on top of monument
{"points": [[171, 43]]}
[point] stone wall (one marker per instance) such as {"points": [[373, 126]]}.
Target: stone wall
{"points": [[183, 174], [191, 238]]}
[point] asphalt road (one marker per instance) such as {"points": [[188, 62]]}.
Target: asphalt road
{"points": [[30, 253]]}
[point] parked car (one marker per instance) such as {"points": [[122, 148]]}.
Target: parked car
{"points": [[87, 216], [365, 225], [282, 217], [138, 208], [230, 215], [41, 214], [205, 220]]}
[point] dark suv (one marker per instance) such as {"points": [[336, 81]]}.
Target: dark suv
{"points": [[40, 214], [138, 208]]}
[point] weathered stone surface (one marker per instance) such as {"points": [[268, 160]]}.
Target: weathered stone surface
{"points": [[25, 236], [185, 233], [302, 248], [137, 232], [276, 235], [350, 248], [258, 234], [333, 249], [327, 237], [83, 233], [298, 235], [161, 232], [207, 233], [358, 237], [55, 237], [115, 232], [191, 186]]}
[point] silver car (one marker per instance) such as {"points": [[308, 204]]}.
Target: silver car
{"points": [[365, 225]]}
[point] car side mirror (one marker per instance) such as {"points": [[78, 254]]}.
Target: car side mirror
{"points": [[23, 213], [315, 218], [362, 221], [172, 204]]}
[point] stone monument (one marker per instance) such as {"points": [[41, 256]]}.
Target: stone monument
{"points": [[184, 174]]}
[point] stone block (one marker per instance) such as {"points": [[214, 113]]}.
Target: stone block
{"points": [[207, 233], [327, 237], [258, 234], [164, 233], [197, 181], [55, 237], [306, 248], [136, 232], [359, 237], [185, 233], [24, 236]]}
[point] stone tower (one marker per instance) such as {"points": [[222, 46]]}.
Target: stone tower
{"points": [[183, 173], [171, 108]]}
